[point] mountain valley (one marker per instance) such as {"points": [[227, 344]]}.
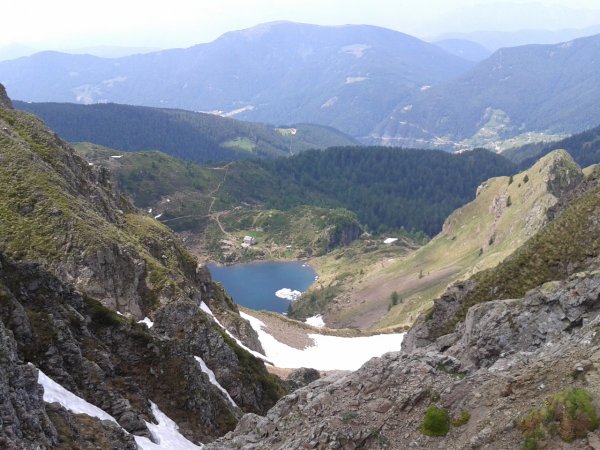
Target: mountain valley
{"points": [[419, 220]]}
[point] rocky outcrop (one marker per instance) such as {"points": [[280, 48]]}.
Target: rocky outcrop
{"points": [[301, 377], [507, 357], [23, 417], [4, 100], [112, 362], [228, 314], [26, 422], [246, 379], [428, 327], [344, 234]]}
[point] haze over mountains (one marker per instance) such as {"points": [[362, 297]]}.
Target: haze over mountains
{"points": [[347, 77]]}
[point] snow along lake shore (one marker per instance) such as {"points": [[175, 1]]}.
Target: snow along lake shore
{"points": [[319, 351]]}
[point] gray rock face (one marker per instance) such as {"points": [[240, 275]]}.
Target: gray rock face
{"points": [[108, 360], [301, 377], [248, 383], [496, 329], [27, 422], [427, 328], [23, 419], [4, 100], [504, 360]]}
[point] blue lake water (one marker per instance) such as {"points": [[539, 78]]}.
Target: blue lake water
{"points": [[254, 285]]}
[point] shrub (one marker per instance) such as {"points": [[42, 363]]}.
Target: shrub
{"points": [[348, 416], [436, 422], [570, 414], [461, 419]]}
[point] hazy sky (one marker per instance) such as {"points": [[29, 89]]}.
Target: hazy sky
{"points": [[177, 23]]}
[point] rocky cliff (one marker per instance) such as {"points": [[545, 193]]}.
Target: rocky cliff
{"points": [[4, 100]]}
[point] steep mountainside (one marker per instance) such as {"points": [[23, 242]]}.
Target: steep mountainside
{"points": [[183, 134], [508, 359], [79, 267], [506, 212], [547, 89], [347, 77]]}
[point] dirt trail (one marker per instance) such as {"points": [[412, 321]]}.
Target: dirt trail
{"points": [[214, 192], [213, 195]]}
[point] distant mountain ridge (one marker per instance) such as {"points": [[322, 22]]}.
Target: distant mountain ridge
{"points": [[464, 48], [548, 89], [347, 77]]}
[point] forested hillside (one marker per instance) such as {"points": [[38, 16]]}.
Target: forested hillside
{"points": [[388, 188], [183, 134]]}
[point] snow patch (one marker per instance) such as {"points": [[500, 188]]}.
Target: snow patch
{"points": [[288, 294], [204, 307], [147, 322], [356, 50], [390, 240], [329, 103], [54, 392], [352, 80], [213, 379], [316, 321], [158, 216], [117, 156], [235, 112], [166, 433], [328, 352]]}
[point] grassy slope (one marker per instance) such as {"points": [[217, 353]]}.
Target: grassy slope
{"points": [[50, 208], [475, 237], [569, 244]]}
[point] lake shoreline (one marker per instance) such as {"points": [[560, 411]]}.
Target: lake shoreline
{"points": [[265, 285]]}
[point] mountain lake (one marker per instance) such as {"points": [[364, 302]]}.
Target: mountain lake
{"points": [[271, 286]]}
